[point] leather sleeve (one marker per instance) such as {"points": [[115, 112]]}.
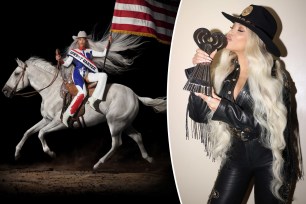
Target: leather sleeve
{"points": [[197, 108], [233, 115]]}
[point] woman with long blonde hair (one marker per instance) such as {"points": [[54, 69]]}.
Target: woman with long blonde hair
{"points": [[246, 121]]}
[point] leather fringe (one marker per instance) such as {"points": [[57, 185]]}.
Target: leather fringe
{"points": [[199, 131]]}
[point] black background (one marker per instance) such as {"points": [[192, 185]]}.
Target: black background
{"points": [[37, 29]]}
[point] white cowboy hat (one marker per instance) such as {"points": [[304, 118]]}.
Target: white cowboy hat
{"points": [[81, 34]]}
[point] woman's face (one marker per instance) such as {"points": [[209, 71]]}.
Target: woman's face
{"points": [[237, 38], [81, 42]]}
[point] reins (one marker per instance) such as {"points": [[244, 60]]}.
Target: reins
{"points": [[32, 93]]}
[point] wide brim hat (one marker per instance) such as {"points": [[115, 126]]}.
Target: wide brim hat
{"points": [[260, 21], [81, 34]]}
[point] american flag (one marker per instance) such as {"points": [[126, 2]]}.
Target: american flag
{"points": [[148, 18]]}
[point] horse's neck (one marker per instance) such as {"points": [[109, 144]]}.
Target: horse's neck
{"points": [[44, 81]]}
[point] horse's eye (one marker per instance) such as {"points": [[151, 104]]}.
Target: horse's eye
{"points": [[18, 70]]}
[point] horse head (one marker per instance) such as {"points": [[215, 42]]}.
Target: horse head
{"points": [[17, 81]]}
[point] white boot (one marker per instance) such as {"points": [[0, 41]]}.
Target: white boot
{"points": [[92, 101], [73, 107], [98, 93], [65, 118]]}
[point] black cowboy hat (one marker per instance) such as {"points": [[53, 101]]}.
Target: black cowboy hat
{"points": [[260, 21]]}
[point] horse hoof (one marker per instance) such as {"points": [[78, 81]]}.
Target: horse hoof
{"points": [[150, 159], [96, 166], [52, 155], [17, 156], [17, 153]]}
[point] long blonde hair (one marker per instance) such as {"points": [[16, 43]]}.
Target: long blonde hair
{"points": [[269, 109], [116, 62]]}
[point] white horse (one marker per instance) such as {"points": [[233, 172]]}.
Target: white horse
{"points": [[119, 108]]}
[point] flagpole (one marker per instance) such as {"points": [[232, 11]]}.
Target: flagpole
{"points": [[107, 48], [109, 39]]}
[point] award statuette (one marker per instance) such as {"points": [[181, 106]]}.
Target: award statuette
{"points": [[200, 79]]}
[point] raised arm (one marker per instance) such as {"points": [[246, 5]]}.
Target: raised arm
{"points": [[58, 58]]}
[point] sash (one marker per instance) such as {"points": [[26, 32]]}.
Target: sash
{"points": [[81, 58]]}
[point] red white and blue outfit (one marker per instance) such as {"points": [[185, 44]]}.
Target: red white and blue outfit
{"points": [[82, 59]]}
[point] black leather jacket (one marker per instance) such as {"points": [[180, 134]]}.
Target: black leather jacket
{"points": [[238, 114]]}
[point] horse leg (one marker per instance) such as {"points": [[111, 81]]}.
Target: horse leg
{"points": [[116, 142], [136, 136], [54, 125], [27, 134]]}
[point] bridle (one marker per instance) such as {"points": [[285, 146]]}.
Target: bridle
{"points": [[31, 93]]}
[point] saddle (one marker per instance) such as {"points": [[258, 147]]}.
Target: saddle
{"points": [[68, 92]]}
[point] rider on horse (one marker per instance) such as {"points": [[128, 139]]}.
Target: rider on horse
{"points": [[85, 70]]}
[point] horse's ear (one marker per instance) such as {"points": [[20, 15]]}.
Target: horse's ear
{"points": [[20, 63]]}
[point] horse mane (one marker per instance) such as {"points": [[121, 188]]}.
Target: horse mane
{"points": [[42, 64]]}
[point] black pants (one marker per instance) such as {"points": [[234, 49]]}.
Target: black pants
{"points": [[247, 161]]}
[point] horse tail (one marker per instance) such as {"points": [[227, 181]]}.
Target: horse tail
{"points": [[158, 104]]}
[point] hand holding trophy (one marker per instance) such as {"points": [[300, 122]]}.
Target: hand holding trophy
{"points": [[199, 80]]}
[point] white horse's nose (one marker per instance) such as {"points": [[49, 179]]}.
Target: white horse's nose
{"points": [[7, 91]]}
